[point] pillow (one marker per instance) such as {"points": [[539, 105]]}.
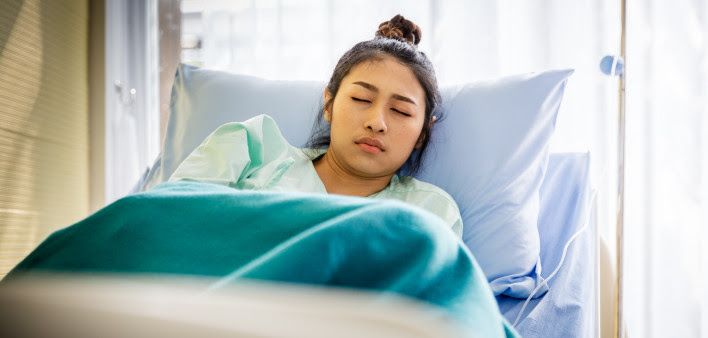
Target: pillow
{"points": [[489, 152]]}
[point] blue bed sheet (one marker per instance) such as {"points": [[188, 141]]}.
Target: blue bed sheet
{"points": [[568, 309]]}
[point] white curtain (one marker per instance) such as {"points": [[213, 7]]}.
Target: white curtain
{"points": [[132, 99], [667, 88], [667, 168]]}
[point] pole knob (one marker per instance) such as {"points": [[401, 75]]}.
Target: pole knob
{"points": [[612, 65]]}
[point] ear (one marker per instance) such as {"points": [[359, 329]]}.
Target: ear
{"points": [[422, 136], [327, 109]]}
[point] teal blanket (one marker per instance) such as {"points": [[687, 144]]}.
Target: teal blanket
{"points": [[203, 229]]}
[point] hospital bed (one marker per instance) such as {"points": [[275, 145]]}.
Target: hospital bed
{"points": [[528, 215]]}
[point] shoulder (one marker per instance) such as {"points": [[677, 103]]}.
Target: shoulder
{"points": [[259, 136], [409, 185], [426, 196], [236, 150], [261, 126]]}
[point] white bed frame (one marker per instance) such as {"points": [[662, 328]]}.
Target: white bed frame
{"points": [[604, 284], [125, 306]]}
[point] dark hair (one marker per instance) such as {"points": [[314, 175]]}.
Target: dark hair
{"points": [[398, 38]]}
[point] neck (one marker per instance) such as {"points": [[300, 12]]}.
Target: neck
{"points": [[339, 181]]}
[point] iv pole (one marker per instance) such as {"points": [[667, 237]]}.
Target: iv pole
{"points": [[619, 282], [615, 66]]}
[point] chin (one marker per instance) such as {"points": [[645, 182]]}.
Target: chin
{"points": [[372, 166], [373, 172]]}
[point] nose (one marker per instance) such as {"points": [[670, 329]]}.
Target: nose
{"points": [[375, 120]]}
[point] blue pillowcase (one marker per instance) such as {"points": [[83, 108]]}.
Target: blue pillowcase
{"points": [[489, 152]]}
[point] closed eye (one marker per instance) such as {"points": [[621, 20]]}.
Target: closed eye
{"points": [[360, 100], [400, 112]]}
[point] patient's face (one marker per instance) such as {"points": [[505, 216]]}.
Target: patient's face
{"points": [[376, 118]]}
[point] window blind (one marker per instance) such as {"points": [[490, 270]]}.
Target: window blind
{"points": [[43, 122]]}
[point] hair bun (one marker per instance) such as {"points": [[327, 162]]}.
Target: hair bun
{"points": [[400, 29]]}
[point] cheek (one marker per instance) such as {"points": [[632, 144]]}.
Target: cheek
{"points": [[413, 132], [407, 138], [339, 125], [345, 117], [339, 110]]}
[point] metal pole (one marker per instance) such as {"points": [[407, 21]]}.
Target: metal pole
{"points": [[619, 313]]}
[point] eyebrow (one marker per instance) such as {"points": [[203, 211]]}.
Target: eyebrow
{"points": [[374, 89]]}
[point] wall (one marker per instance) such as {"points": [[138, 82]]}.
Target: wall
{"points": [[44, 96]]}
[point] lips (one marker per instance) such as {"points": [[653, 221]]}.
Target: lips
{"points": [[370, 145]]}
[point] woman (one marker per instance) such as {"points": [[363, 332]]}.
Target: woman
{"points": [[379, 104]]}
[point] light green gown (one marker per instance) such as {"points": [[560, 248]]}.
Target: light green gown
{"points": [[254, 155]]}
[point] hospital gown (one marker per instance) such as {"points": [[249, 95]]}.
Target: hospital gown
{"points": [[254, 155]]}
